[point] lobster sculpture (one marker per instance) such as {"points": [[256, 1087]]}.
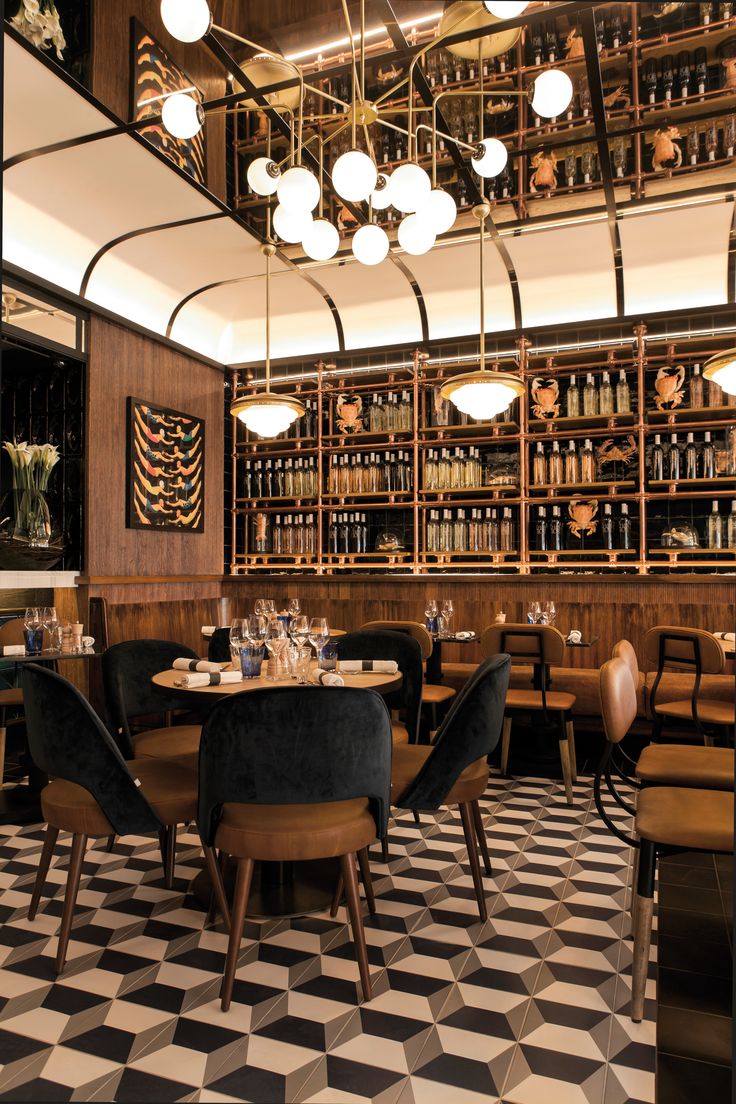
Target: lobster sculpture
{"points": [[666, 149], [582, 515], [544, 177], [618, 96], [546, 395], [668, 386]]}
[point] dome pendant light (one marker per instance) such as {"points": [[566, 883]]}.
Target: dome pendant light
{"points": [[485, 393], [721, 368], [266, 413]]}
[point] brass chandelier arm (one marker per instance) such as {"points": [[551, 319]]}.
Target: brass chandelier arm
{"points": [[356, 83], [327, 96]]}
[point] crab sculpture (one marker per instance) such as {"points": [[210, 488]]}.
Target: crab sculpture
{"points": [[546, 395], [349, 414], [668, 386], [544, 176], [608, 452], [666, 149], [388, 76], [729, 72], [582, 516], [618, 96], [574, 44]]}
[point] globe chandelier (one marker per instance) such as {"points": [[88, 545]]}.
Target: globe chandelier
{"points": [[428, 210], [721, 369]]}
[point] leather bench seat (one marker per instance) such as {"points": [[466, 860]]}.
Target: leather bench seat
{"points": [[678, 687]]}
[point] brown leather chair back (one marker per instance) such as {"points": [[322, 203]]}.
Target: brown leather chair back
{"points": [[622, 649], [618, 698], [525, 643], [11, 632], [415, 629], [683, 649]]}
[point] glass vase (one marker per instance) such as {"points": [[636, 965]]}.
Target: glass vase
{"points": [[32, 519]]}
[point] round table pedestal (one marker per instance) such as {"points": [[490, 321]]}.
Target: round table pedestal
{"points": [[279, 889]]}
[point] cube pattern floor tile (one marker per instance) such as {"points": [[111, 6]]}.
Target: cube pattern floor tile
{"points": [[530, 1006]]}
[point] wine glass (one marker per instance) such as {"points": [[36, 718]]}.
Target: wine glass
{"points": [[294, 607], [255, 628], [238, 638], [534, 613], [447, 611], [33, 630], [430, 613], [319, 633], [260, 607], [49, 620], [277, 640], [550, 612], [299, 630]]}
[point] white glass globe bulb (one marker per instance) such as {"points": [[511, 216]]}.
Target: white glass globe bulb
{"points": [[182, 115], [370, 244], [439, 210], [298, 189], [321, 240], [416, 235], [505, 9], [268, 420], [354, 175], [491, 157], [291, 226], [551, 93], [409, 186], [381, 196], [483, 400], [186, 20], [263, 176]]}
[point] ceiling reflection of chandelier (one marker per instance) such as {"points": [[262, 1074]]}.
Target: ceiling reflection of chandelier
{"points": [[427, 210]]}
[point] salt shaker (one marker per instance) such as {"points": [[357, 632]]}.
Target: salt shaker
{"points": [[77, 630]]}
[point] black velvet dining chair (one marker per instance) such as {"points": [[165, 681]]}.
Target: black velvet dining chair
{"points": [[93, 791], [127, 670], [398, 646], [218, 647], [289, 774]]}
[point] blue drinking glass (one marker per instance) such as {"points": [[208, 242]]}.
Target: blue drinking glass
{"points": [[251, 658]]}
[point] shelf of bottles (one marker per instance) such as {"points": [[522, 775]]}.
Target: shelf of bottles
{"points": [[619, 458], [665, 68]]}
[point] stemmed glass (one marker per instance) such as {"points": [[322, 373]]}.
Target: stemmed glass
{"points": [[534, 613], [299, 630], [277, 640], [49, 620], [447, 611], [430, 613], [34, 631], [549, 612], [294, 607], [238, 638], [319, 633], [255, 628]]}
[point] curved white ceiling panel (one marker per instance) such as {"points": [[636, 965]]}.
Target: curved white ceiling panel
{"points": [[40, 109], [448, 279], [146, 277], [229, 323], [565, 274], [377, 305], [59, 209], [676, 259]]}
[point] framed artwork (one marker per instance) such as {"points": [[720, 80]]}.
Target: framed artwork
{"points": [[153, 73], [165, 466]]}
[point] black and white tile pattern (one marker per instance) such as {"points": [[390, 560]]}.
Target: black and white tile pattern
{"points": [[528, 1008]]}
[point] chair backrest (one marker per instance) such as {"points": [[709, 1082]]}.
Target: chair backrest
{"points": [[405, 650], [525, 643], [218, 648], [11, 632], [68, 740], [679, 648], [618, 698], [415, 629], [469, 732], [127, 670], [295, 745], [622, 649]]}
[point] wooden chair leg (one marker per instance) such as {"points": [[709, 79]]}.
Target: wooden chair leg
{"points": [[167, 840], [634, 879], [566, 769], [49, 843], [416, 817], [219, 900], [3, 737], [467, 819], [337, 896], [347, 866], [506, 745], [110, 843], [237, 919], [570, 732], [644, 910], [365, 877], [480, 833], [384, 848], [79, 843]]}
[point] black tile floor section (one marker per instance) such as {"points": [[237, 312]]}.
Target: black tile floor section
{"points": [[529, 1007], [695, 984]]}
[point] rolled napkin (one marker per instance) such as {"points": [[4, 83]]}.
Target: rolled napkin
{"points": [[88, 642], [207, 630], [14, 649], [376, 666], [194, 679], [726, 636], [464, 635], [325, 678], [195, 665]]}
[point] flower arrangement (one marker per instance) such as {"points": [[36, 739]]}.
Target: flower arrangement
{"points": [[32, 466], [38, 21]]}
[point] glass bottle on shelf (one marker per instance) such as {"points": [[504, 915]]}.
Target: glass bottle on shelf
{"points": [[696, 388], [590, 397], [615, 29], [550, 41], [619, 157], [690, 458], [711, 141], [494, 533], [554, 467], [507, 531], [700, 59], [624, 527], [623, 394], [277, 538], [536, 45], [605, 395], [587, 463], [344, 534], [683, 73], [540, 530], [729, 135], [673, 459], [668, 76], [708, 458], [430, 471], [715, 393], [332, 540], [607, 527], [539, 469], [571, 170], [706, 14], [651, 80], [731, 526], [556, 532], [715, 528], [656, 461], [572, 399], [247, 480], [572, 466], [692, 145]]}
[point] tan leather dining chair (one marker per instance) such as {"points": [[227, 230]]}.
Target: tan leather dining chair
{"points": [[692, 652]]}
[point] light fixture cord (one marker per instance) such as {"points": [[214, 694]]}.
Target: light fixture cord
{"points": [[482, 296], [268, 321], [481, 129]]}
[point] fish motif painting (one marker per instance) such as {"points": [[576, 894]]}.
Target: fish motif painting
{"points": [[155, 74], [165, 469]]}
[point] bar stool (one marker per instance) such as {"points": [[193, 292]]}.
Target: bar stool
{"points": [[695, 652], [433, 694], [541, 646]]}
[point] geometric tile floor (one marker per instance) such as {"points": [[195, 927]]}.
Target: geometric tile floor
{"points": [[529, 1008]]}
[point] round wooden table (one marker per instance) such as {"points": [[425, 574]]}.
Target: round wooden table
{"points": [[279, 889]]}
